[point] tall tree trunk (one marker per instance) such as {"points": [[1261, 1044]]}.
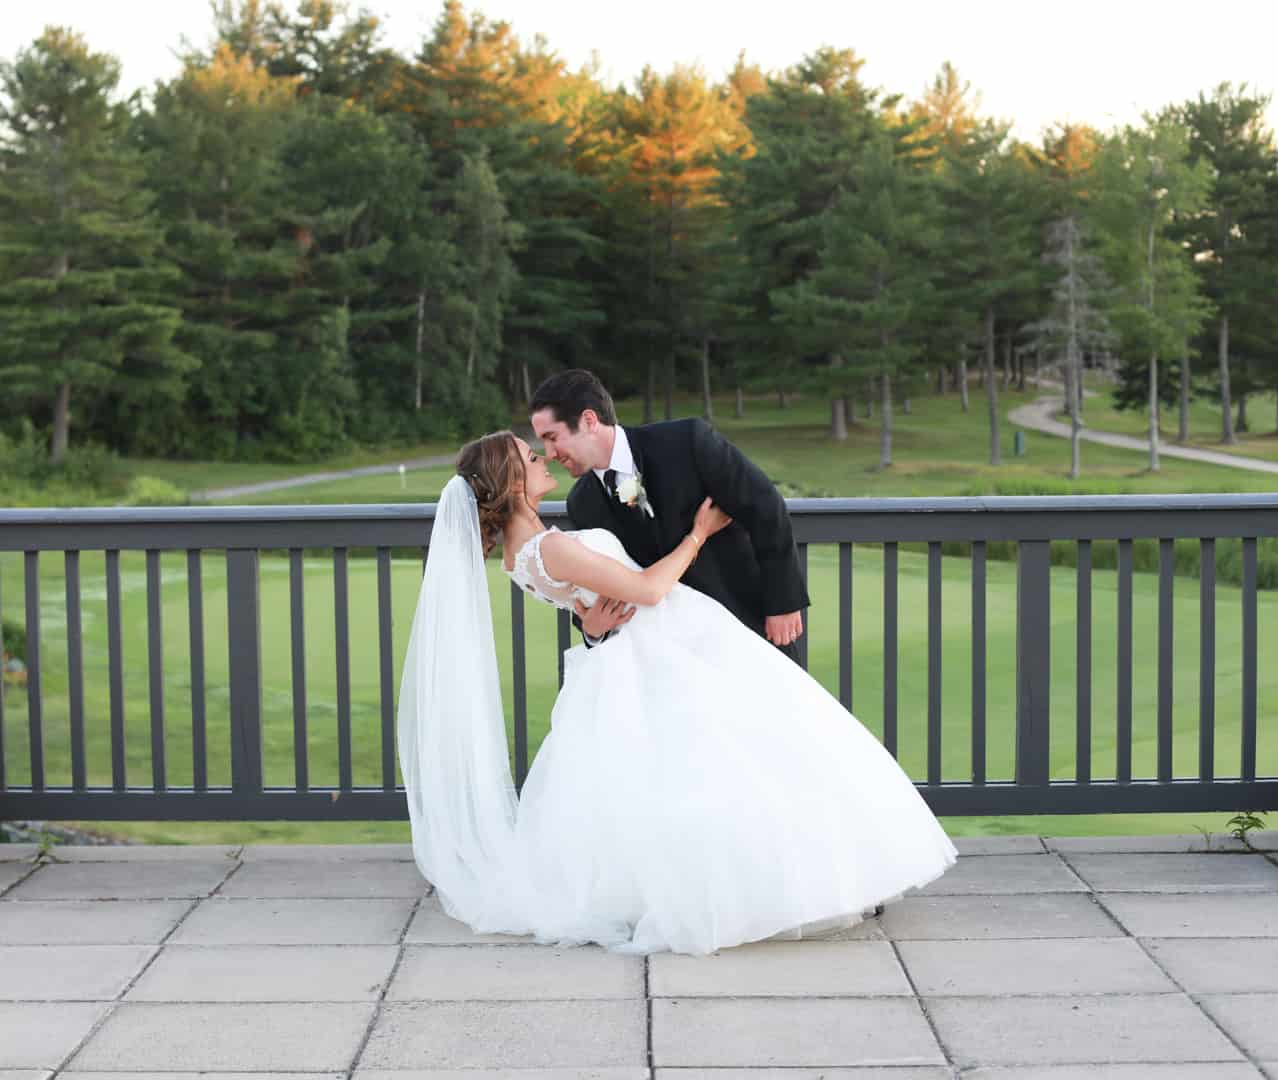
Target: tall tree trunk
{"points": [[885, 420], [1153, 413], [838, 407], [991, 391], [61, 423], [1153, 364], [962, 377], [418, 363], [1241, 423], [707, 404], [1227, 435], [1073, 365], [523, 368], [905, 405], [649, 390], [1007, 360], [62, 404], [1182, 425], [838, 418], [740, 402]]}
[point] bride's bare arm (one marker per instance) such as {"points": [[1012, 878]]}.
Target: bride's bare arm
{"points": [[567, 559]]}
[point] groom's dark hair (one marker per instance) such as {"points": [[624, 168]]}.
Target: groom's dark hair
{"points": [[570, 393]]}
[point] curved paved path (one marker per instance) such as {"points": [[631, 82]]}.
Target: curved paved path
{"points": [[1041, 415], [320, 478]]}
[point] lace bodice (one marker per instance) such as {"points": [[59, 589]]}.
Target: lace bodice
{"points": [[530, 574]]}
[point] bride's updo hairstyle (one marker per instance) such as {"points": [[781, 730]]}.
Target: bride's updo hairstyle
{"points": [[494, 468]]}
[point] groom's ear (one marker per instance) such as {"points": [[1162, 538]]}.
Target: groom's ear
{"points": [[589, 419]]}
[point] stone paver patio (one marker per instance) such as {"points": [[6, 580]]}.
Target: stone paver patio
{"points": [[1057, 959]]}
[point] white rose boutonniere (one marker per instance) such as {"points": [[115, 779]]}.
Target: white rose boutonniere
{"points": [[630, 492]]}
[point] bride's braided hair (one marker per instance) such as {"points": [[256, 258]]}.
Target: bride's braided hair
{"points": [[494, 468]]}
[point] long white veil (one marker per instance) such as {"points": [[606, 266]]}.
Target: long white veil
{"points": [[452, 732]]}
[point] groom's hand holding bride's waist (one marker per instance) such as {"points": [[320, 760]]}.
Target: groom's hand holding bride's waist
{"points": [[600, 620]]}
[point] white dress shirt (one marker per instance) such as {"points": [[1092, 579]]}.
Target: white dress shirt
{"points": [[623, 460]]}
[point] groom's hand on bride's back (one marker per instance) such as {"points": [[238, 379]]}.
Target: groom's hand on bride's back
{"points": [[604, 617]]}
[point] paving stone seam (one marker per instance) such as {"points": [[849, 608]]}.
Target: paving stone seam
{"points": [[1064, 858], [647, 1008], [927, 1015], [1113, 919], [381, 997], [1043, 850], [230, 851], [1197, 1004], [236, 866], [25, 877], [115, 1004]]}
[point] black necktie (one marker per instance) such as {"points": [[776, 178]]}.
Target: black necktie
{"points": [[610, 482]]}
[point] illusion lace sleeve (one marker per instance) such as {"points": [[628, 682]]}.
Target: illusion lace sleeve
{"points": [[530, 574]]}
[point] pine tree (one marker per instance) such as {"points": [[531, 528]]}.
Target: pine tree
{"points": [[473, 89], [808, 129], [1075, 323], [992, 225], [874, 286], [85, 297], [487, 237], [1147, 180], [213, 151], [1227, 131]]}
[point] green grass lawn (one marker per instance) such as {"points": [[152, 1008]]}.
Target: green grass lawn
{"points": [[193, 476], [868, 679], [939, 450]]}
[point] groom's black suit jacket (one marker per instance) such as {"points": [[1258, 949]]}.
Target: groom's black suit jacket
{"points": [[751, 567]]}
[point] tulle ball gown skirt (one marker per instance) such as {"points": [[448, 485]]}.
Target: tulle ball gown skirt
{"points": [[699, 790]]}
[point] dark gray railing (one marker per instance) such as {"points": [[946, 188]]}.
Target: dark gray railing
{"points": [[980, 530]]}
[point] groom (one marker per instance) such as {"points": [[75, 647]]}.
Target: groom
{"points": [[645, 483]]}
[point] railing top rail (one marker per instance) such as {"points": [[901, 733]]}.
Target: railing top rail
{"points": [[411, 512]]}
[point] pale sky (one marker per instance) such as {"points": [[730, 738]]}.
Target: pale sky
{"points": [[1033, 62]]}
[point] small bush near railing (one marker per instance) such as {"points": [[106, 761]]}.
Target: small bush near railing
{"points": [[150, 491], [13, 640]]}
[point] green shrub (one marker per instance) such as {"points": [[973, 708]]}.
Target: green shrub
{"points": [[151, 491], [27, 464], [14, 639]]}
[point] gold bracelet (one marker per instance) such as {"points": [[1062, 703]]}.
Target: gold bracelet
{"points": [[696, 540]]}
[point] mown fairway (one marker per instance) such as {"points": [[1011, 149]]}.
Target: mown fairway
{"points": [[867, 659], [939, 450]]}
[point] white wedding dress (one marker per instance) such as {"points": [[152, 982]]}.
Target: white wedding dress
{"points": [[698, 790]]}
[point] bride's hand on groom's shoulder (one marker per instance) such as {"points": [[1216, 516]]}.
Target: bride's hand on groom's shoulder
{"points": [[604, 616], [710, 519]]}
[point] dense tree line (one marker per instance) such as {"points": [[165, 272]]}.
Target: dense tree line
{"points": [[307, 239]]}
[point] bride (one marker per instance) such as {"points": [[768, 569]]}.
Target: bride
{"points": [[697, 788]]}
